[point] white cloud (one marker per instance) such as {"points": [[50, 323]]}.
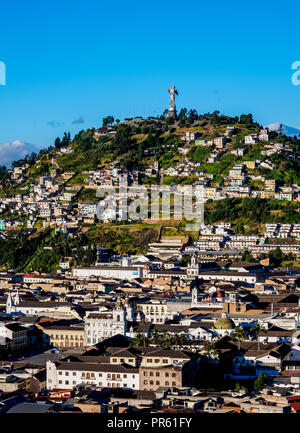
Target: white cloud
{"points": [[15, 150]]}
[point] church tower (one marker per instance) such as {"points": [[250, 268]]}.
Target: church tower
{"points": [[9, 304], [130, 315], [193, 267], [17, 298], [119, 318], [195, 294]]}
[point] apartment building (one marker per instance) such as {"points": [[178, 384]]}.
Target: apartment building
{"points": [[70, 374], [65, 336]]}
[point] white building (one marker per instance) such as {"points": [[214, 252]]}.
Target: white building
{"points": [[70, 374], [101, 325], [119, 272]]}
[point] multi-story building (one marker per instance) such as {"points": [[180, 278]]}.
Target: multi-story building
{"points": [[13, 336], [70, 374], [156, 311], [220, 142], [263, 135], [64, 336], [167, 368], [251, 139], [102, 325]]}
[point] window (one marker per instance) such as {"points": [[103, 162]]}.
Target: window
{"points": [[151, 382], [167, 374], [157, 374], [173, 374], [125, 385], [100, 374], [67, 382], [156, 361], [60, 373], [74, 382], [151, 373], [173, 383], [60, 381], [167, 383], [157, 382], [74, 373], [109, 375], [149, 360], [145, 382], [67, 373], [125, 376]]}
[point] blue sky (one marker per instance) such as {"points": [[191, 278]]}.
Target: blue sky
{"points": [[74, 60]]}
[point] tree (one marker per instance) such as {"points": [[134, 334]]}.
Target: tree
{"points": [[120, 142], [239, 334], [66, 139], [256, 329], [140, 151], [214, 118], [276, 257], [192, 116], [247, 257], [57, 143], [182, 115], [211, 351], [139, 341], [107, 121], [166, 341], [237, 387], [281, 129], [247, 119], [260, 382]]}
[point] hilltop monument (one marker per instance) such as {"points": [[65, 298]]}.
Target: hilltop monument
{"points": [[172, 107]]}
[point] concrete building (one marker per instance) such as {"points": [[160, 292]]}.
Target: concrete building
{"points": [[70, 374]]}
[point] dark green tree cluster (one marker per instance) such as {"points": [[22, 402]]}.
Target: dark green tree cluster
{"points": [[107, 121], [256, 209], [65, 141]]}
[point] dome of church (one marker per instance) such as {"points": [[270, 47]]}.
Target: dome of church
{"points": [[224, 323]]}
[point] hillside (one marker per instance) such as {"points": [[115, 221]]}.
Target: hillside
{"points": [[207, 149]]}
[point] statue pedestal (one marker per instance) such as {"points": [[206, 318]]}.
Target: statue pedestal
{"points": [[172, 112]]}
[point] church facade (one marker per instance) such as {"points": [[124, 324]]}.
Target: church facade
{"points": [[101, 325]]}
